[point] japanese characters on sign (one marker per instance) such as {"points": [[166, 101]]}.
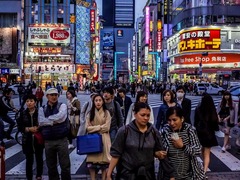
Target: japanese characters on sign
{"points": [[150, 46], [210, 59], [49, 34], [147, 24], [92, 21], [50, 68], [159, 41], [47, 50], [199, 40]]}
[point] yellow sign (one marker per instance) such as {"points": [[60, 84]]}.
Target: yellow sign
{"points": [[199, 40]]}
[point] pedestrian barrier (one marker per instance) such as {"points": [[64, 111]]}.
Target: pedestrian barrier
{"points": [[2, 163]]}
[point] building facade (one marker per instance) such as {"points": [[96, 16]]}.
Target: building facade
{"points": [[116, 35], [48, 55], [11, 26], [205, 45]]}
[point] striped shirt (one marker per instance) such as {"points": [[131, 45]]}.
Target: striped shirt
{"points": [[180, 158]]}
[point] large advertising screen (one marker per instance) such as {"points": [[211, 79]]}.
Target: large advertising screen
{"points": [[107, 56], [49, 34], [108, 40]]}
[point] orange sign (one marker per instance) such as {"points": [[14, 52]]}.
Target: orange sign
{"points": [[47, 50], [204, 39], [210, 59]]}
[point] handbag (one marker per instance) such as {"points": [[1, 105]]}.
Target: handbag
{"points": [[197, 169], [235, 132], [74, 125], [89, 144], [39, 137]]}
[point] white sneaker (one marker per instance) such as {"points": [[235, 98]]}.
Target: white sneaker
{"points": [[228, 147], [70, 146], [223, 149]]}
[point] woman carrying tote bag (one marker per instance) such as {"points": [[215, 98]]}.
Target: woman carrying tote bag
{"points": [[98, 121]]}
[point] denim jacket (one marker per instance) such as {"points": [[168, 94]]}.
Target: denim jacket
{"points": [[161, 117]]}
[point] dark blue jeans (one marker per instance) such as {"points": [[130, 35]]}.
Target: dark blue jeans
{"points": [[8, 120]]}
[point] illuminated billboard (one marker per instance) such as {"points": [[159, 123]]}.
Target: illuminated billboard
{"points": [[52, 33], [147, 25], [82, 35], [200, 39]]}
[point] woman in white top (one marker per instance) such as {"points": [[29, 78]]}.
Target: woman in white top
{"points": [[142, 96]]}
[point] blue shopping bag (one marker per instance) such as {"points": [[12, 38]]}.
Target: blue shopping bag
{"points": [[89, 144]]}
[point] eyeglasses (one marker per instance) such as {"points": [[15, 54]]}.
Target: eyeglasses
{"points": [[53, 94]]}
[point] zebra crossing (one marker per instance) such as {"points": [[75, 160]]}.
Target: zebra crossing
{"points": [[220, 162], [155, 103]]}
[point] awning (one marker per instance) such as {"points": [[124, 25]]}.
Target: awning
{"points": [[204, 70]]}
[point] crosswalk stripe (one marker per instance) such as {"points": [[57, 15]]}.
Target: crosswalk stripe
{"points": [[13, 150], [227, 158], [232, 162]]}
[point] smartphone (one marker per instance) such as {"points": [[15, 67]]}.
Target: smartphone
{"points": [[175, 136]]}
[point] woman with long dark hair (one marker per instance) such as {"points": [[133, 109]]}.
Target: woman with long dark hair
{"points": [[142, 96], [168, 101], [206, 123], [182, 145], [226, 116], [73, 115], [98, 121]]}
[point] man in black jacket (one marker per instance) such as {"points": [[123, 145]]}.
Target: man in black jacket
{"points": [[125, 102], [5, 106], [185, 103]]}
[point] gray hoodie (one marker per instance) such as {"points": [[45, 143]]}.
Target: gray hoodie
{"points": [[137, 149]]}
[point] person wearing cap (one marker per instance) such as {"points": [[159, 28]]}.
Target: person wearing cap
{"points": [[54, 126], [115, 111]]}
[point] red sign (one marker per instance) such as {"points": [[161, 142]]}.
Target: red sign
{"points": [[210, 59], [92, 21], [59, 34], [159, 40], [204, 39], [150, 46]]}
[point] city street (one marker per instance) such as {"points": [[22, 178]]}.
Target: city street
{"points": [[223, 165]]}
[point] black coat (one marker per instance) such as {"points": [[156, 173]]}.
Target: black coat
{"points": [[187, 108], [127, 104], [29, 141]]}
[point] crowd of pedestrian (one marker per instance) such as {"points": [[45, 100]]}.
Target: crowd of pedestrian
{"points": [[133, 139]]}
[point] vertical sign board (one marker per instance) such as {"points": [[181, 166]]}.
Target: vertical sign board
{"points": [[92, 21], [147, 25], [159, 35]]}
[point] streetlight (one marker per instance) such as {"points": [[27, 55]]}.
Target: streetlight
{"points": [[158, 64], [115, 63]]}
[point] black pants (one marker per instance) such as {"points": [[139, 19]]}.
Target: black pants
{"points": [[39, 163], [40, 101]]}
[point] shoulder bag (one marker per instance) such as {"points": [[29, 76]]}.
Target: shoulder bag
{"points": [[89, 144]]}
